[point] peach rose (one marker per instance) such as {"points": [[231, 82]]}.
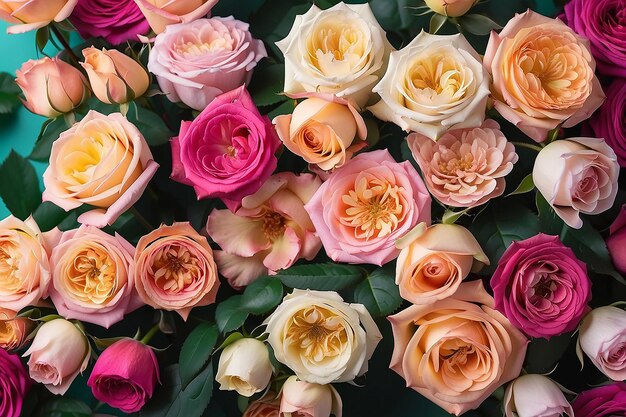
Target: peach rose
{"points": [[452, 8], [270, 232], [103, 161], [264, 407], [92, 278], [51, 87], [465, 167], [174, 269], [322, 130], [115, 78], [34, 14], [435, 83], [301, 398], [24, 266], [434, 261], [458, 350], [13, 330], [577, 175], [543, 75], [161, 13]]}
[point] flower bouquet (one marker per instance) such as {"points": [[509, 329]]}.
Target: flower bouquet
{"points": [[278, 208]]}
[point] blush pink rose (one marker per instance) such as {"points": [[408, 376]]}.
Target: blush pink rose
{"points": [[616, 242], [14, 384], [29, 15], [609, 122], [196, 62], [366, 205], [161, 13], [541, 286], [301, 398], [227, 151], [117, 21], [602, 336], [264, 407], [270, 232]]}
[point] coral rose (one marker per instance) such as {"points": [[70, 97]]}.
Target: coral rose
{"points": [[366, 205], [535, 396], [29, 15], [117, 21], [161, 13], [301, 398], [602, 336], [14, 384], [13, 330], [616, 242], [244, 367], [458, 350], [175, 270], [606, 401], [543, 75], [465, 167]]}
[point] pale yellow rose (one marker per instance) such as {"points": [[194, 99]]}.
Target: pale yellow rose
{"points": [[244, 367], [452, 8], [160, 13], [34, 14]]}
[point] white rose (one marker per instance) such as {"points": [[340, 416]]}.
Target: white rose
{"points": [[322, 338], [244, 367], [603, 339], [435, 83], [535, 396], [341, 50]]}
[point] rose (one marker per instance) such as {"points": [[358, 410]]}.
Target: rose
{"points": [[465, 167], [244, 367], [541, 286], [195, 62], [117, 21], [543, 75], [608, 122], [535, 396], [458, 350], [29, 15], [270, 232], [452, 8], [322, 338], [14, 384], [617, 240], [162, 13], [125, 375], [92, 279], [51, 87], [602, 337], [341, 50], [322, 130], [434, 261], [301, 398], [58, 353], [13, 330], [435, 83], [606, 401], [24, 269], [577, 175], [242, 158], [604, 24], [366, 205], [115, 78], [109, 173], [174, 269], [264, 407]]}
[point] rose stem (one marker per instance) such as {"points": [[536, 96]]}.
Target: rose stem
{"points": [[146, 339], [527, 146], [66, 45]]}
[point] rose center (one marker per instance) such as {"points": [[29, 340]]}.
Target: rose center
{"points": [[459, 356], [336, 46], [175, 268], [317, 332], [544, 287], [9, 266], [92, 277], [274, 225], [456, 164]]}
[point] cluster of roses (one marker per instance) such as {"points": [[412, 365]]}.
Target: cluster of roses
{"points": [[456, 344]]}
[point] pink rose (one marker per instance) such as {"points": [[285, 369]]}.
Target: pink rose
{"points": [[366, 205], [125, 375], [616, 242], [14, 384], [29, 15], [271, 230], [92, 278], [227, 151], [117, 21], [196, 62], [606, 401], [264, 407], [301, 398], [602, 336], [534, 395], [541, 286], [609, 122], [543, 75], [161, 13]]}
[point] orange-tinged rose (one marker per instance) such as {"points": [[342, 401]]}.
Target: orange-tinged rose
{"points": [[161, 13], [13, 329], [34, 14]]}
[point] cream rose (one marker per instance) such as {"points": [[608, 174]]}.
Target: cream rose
{"points": [[435, 83], [341, 50], [244, 367], [301, 398], [322, 338], [160, 13], [603, 339]]}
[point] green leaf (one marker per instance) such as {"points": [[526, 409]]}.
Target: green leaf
{"points": [[262, 295], [48, 216], [285, 108], [9, 93], [151, 126], [64, 407], [321, 277], [436, 22], [267, 85], [50, 131], [230, 339], [42, 36], [19, 186], [526, 186], [229, 316], [396, 14], [477, 24], [196, 351], [379, 292]]}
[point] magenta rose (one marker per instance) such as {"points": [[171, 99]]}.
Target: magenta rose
{"points": [[14, 384], [125, 375], [603, 22], [228, 151], [616, 242], [117, 21], [609, 121], [541, 287], [606, 401]]}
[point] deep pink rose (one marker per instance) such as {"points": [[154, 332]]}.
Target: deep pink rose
{"points": [[14, 384], [616, 242], [606, 401], [603, 22], [227, 151], [609, 121], [125, 375], [541, 287], [117, 21]]}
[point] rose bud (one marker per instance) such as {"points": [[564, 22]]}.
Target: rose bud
{"points": [[13, 330], [51, 87], [29, 15], [452, 8], [14, 384], [58, 353], [125, 375], [244, 367], [535, 396], [114, 76], [603, 338], [309, 400]]}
